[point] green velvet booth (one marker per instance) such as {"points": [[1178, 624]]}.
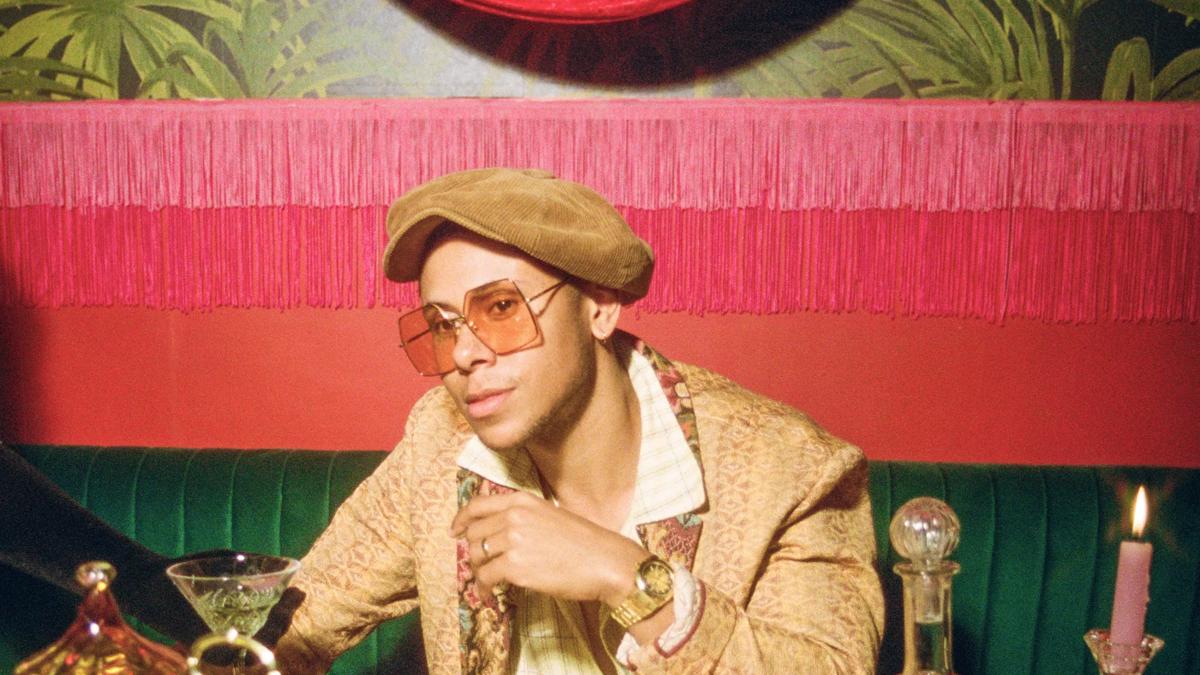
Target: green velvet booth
{"points": [[1038, 549]]}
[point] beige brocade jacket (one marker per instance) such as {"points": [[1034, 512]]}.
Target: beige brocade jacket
{"points": [[785, 552]]}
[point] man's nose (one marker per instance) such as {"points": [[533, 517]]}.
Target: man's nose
{"points": [[469, 351]]}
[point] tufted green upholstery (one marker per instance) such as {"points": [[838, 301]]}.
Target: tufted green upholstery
{"points": [[1038, 547]]}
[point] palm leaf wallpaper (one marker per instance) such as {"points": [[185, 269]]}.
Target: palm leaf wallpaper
{"points": [[994, 49]]}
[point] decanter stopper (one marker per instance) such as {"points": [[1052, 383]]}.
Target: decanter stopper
{"points": [[925, 530], [99, 640]]}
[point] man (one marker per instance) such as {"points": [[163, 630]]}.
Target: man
{"points": [[570, 501]]}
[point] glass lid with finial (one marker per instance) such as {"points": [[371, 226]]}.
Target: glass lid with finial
{"points": [[99, 641]]}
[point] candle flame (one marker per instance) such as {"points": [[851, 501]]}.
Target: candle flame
{"points": [[1140, 511]]}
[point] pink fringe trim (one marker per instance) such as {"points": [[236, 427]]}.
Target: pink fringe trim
{"points": [[1053, 266], [1054, 211]]}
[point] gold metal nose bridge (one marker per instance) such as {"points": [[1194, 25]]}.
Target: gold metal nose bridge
{"points": [[458, 322]]}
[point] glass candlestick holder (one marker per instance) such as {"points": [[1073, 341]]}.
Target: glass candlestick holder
{"points": [[1118, 659], [925, 530]]}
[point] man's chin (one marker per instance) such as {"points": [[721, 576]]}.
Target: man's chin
{"points": [[501, 438]]}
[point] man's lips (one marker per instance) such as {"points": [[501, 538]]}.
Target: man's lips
{"points": [[484, 403]]}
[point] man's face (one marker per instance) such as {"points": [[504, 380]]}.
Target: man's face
{"points": [[529, 395]]}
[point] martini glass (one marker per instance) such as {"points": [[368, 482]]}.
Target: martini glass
{"points": [[233, 594]]}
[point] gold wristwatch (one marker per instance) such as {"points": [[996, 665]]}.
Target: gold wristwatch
{"points": [[655, 586]]}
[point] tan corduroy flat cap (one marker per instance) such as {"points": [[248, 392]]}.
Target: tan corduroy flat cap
{"points": [[563, 224]]}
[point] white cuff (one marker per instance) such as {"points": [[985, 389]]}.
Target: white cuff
{"points": [[687, 614]]}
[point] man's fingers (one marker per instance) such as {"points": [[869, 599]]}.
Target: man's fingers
{"points": [[484, 528], [478, 507], [482, 507], [485, 548], [491, 577]]}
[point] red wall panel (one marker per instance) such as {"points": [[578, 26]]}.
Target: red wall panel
{"points": [[922, 389]]}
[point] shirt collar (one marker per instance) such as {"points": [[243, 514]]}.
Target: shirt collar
{"points": [[669, 482]]}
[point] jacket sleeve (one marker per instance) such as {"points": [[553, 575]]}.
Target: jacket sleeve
{"points": [[816, 606], [359, 573]]}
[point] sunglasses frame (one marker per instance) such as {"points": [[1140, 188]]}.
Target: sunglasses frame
{"points": [[459, 320]]}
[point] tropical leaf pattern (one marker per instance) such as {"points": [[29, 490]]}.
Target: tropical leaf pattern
{"points": [[925, 49], [991, 49], [1188, 8], [1129, 75], [268, 49], [95, 36], [24, 78]]}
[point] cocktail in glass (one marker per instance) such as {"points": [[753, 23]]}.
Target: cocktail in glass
{"points": [[233, 594]]}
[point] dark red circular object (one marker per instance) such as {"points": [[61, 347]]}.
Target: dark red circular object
{"points": [[572, 11]]}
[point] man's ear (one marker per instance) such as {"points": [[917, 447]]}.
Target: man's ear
{"points": [[604, 308]]}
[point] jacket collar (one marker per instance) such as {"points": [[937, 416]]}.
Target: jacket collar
{"points": [[485, 628]]}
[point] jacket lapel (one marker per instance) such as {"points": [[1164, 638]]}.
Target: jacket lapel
{"points": [[673, 539], [485, 628]]}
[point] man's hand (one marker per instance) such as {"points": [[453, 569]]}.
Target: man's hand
{"points": [[535, 545]]}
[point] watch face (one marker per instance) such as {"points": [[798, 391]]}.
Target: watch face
{"points": [[656, 577]]}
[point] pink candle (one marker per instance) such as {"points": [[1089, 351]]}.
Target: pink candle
{"points": [[1132, 592]]}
